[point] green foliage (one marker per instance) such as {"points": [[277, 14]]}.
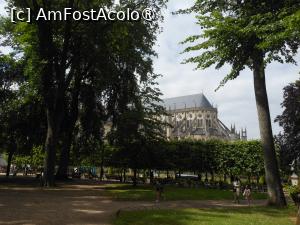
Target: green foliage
{"points": [[231, 158], [21, 161], [289, 141], [21, 115], [85, 73], [237, 32], [37, 156], [262, 180], [294, 192], [34, 159]]}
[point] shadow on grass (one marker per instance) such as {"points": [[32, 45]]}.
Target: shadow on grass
{"points": [[128, 192], [216, 216]]}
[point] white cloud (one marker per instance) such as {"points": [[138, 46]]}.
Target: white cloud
{"points": [[3, 10]]}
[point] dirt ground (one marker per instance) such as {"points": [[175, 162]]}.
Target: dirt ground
{"points": [[77, 203]]}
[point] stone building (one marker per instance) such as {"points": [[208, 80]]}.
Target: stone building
{"points": [[194, 117]]}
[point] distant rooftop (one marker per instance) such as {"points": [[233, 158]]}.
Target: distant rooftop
{"points": [[188, 101]]}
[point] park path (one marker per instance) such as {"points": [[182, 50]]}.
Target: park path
{"points": [[76, 205]]}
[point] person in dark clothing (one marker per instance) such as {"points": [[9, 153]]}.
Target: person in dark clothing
{"points": [[159, 190]]}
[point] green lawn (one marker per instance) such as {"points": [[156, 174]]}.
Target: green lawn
{"points": [[229, 216], [128, 192]]}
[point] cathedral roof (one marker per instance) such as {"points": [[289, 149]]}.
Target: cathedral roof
{"points": [[188, 101]]}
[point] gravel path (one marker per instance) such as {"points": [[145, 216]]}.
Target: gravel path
{"points": [[78, 204]]}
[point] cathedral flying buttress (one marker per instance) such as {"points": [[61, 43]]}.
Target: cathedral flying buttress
{"points": [[194, 117]]}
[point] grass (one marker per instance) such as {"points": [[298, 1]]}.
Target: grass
{"points": [[147, 193], [213, 216]]}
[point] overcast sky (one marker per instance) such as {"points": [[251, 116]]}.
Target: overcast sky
{"points": [[235, 101]]}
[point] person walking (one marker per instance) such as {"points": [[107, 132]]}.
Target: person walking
{"points": [[159, 190], [236, 190]]}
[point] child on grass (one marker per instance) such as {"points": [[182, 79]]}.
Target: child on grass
{"points": [[247, 194]]}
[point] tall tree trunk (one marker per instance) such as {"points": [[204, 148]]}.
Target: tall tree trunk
{"points": [[212, 176], [199, 176], [48, 92], [102, 163], [276, 196], [53, 83], [298, 217], [10, 156], [134, 177], [71, 116], [151, 176], [50, 150], [124, 175], [62, 172]]}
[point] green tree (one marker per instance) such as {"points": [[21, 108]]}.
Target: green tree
{"points": [[64, 54], [289, 120], [22, 121], [244, 34], [132, 97]]}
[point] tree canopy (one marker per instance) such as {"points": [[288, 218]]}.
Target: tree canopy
{"points": [[249, 34], [289, 120]]}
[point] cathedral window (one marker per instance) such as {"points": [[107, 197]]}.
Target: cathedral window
{"points": [[200, 123], [208, 123]]}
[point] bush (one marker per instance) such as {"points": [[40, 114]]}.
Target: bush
{"points": [[262, 180], [294, 192]]}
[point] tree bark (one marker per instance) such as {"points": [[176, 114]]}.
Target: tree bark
{"points": [[151, 176], [53, 84], [276, 196], [10, 156], [134, 177], [62, 172], [212, 176], [50, 150], [102, 163], [48, 92], [298, 217], [124, 175], [200, 176], [71, 116]]}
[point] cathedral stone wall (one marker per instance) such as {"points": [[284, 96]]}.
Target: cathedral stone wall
{"points": [[194, 117]]}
